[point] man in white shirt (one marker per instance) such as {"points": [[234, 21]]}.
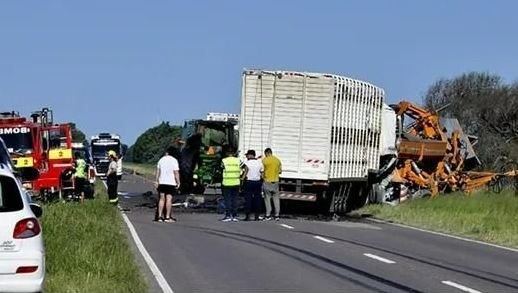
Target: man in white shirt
{"points": [[252, 176], [167, 181]]}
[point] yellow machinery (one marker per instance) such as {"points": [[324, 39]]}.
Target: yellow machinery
{"points": [[431, 157]]}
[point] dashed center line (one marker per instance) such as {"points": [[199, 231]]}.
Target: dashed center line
{"points": [[323, 239], [460, 287], [287, 226], [379, 258]]}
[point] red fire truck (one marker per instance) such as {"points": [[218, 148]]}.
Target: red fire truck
{"points": [[39, 145]]}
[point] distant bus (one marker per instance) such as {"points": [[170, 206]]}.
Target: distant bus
{"points": [[100, 145]]}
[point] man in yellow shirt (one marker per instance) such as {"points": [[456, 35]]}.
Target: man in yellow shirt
{"points": [[272, 170]]}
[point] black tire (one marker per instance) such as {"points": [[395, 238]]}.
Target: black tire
{"points": [[495, 185], [375, 194], [324, 201]]}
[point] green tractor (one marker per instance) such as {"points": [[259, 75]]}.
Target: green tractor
{"points": [[200, 152]]}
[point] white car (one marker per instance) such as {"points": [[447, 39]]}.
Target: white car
{"points": [[22, 253]]}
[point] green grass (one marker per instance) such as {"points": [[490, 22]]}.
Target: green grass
{"points": [[87, 249], [141, 169], [484, 216]]}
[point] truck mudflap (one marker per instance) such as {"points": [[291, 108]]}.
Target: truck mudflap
{"points": [[298, 196]]}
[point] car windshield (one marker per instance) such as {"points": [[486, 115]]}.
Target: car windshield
{"points": [[18, 142], [101, 150], [10, 198]]}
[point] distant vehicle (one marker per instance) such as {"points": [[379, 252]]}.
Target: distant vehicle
{"points": [[84, 151], [200, 152], [22, 253], [100, 145], [214, 116]]}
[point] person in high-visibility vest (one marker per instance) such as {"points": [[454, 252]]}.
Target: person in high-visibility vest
{"points": [[79, 176], [231, 184]]}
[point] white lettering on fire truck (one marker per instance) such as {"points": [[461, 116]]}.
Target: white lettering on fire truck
{"points": [[15, 130]]}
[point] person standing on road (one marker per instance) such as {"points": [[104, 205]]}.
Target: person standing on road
{"points": [[167, 182], [79, 176], [272, 170], [111, 178], [231, 184], [253, 169]]}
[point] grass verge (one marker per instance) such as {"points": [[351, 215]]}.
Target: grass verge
{"points": [[141, 169], [87, 249], [484, 216]]}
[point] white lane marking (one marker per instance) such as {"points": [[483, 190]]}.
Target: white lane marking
{"points": [[323, 239], [149, 261], [287, 226], [445, 235], [460, 287], [151, 264], [373, 256]]}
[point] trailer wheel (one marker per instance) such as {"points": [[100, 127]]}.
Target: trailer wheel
{"points": [[342, 202]]}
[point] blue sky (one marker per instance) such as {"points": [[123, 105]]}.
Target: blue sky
{"points": [[122, 66]]}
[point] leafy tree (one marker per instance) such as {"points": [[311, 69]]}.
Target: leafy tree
{"points": [[151, 145], [485, 107], [77, 134]]}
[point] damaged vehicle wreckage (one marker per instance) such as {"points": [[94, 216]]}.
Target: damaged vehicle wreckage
{"points": [[342, 146]]}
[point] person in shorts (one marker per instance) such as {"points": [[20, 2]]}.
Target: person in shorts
{"points": [[167, 182]]}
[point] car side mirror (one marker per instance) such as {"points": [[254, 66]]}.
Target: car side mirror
{"points": [[28, 174], [36, 209]]}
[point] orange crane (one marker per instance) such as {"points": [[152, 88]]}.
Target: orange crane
{"points": [[430, 158]]}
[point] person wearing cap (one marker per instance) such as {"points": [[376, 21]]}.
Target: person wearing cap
{"points": [[253, 169], [272, 170], [111, 177], [231, 184]]}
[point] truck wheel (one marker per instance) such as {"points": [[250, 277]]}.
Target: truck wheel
{"points": [[375, 194], [341, 201], [362, 195], [324, 200]]}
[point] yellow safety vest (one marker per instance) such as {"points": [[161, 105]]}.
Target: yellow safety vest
{"points": [[80, 168], [231, 172]]}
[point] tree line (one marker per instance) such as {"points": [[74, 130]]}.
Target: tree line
{"points": [[487, 108], [150, 145]]}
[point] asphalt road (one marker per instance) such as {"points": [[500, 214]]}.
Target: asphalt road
{"points": [[201, 254]]}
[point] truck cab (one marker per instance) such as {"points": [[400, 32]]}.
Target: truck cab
{"points": [[200, 151], [38, 145], [100, 145]]}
